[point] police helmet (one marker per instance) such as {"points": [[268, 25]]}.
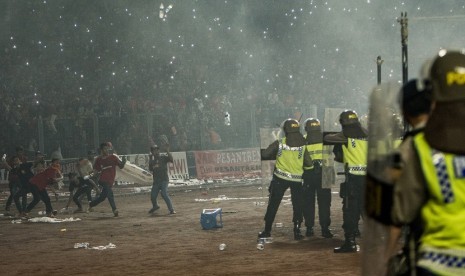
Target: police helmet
{"points": [[415, 97], [312, 124], [291, 125], [447, 76], [348, 117]]}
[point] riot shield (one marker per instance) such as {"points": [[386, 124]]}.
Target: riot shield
{"points": [[330, 124], [331, 120], [364, 121], [328, 170], [268, 136], [385, 131]]}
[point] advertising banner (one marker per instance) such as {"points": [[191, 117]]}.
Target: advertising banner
{"points": [[236, 163], [136, 169]]}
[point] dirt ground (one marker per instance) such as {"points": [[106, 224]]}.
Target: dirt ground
{"points": [[163, 244]]}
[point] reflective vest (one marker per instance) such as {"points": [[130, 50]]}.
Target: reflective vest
{"points": [[317, 153], [355, 155], [289, 162], [443, 239]]}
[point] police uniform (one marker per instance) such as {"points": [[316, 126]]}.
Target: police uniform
{"points": [[415, 99], [312, 178], [431, 187], [291, 156], [350, 148]]}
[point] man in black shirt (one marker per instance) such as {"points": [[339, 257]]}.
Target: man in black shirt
{"points": [[158, 165]]}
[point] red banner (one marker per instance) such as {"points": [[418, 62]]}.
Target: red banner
{"points": [[228, 163]]}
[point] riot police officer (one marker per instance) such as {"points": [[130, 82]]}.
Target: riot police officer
{"points": [[431, 187], [350, 148], [291, 157], [313, 186]]}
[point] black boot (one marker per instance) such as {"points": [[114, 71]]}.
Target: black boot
{"points": [[326, 233], [349, 245], [297, 235]]}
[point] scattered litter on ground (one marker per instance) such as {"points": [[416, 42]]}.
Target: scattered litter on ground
{"points": [[46, 220], [86, 245], [225, 198]]}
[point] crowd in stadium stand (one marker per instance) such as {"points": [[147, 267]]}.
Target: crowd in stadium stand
{"points": [[182, 118]]}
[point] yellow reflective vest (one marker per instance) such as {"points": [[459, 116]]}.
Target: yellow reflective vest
{"points": [[443, 240], [289, 162], [355, 155], [316, 152]]}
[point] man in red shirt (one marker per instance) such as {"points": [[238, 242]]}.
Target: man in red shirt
{"points": [[106, 164], [39, 183]]}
